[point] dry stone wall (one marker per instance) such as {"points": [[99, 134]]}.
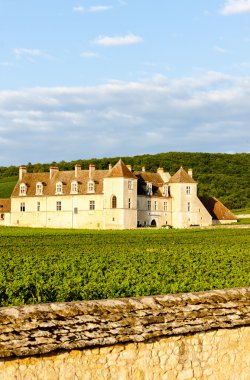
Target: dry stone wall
{"points": [[202, 335]]}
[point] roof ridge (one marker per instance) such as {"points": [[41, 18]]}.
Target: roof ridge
{"points": [[120, 170], [181, 176]]}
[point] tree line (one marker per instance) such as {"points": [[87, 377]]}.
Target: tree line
{"points": [[224, 176]]}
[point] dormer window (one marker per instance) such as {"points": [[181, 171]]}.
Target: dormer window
{"points": [[74, 187], [91, 186], [165, 190], [59, 188], [149, 190], [39, 188], [22, 190]]}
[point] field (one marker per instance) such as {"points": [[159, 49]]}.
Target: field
{"points": [[7, 185], [63, 265]]}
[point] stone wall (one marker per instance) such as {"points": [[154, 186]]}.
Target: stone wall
{"points": [[202, 335]]}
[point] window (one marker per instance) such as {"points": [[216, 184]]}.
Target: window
{"points": [[165, 206], [149, 205], [156, 206], [22, 206], [91, 205], [129, 202], [59, 188], [91, 186], [38, 206], [75, 210], [149, 188], [165, 190], [2, 217], [188, 190], [188, 206], [130, 185], [39, 188], [23, 189], [59, 206], [113, 202], [74, 187]]}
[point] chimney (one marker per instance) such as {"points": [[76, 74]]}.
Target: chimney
{"points": [[91, 170], [143, 169], [160, 171], [190, 172], [110, 167], [22, 171], [52, 170], [77, 169], [129, 167]]}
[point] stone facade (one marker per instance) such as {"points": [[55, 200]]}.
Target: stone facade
{"points": [[203, 335], [214, 355]]}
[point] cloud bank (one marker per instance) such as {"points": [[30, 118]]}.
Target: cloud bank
{"points": [[236, 6], [208, 113]]}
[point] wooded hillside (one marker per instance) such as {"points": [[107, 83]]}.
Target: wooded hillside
{"points": [[224, 176]]}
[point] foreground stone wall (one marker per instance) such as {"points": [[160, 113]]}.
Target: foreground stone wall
{"points": [[185, 336]]}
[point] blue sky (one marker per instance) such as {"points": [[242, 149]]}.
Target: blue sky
{"points": [[83, 79]]}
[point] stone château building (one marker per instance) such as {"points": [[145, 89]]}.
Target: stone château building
{"points": [[116, 198]]}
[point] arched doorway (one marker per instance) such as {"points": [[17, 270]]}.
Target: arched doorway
{"points": [[153, 223]]}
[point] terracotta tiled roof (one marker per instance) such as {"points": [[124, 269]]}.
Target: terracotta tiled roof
{"points": [[181, 177], [66, 177], [144, 177], [120, 170], [4, 205], [216, 209]]}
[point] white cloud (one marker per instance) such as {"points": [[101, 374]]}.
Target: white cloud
{"points": [[129, 39], [6, 64], [89, 54], [30, 53], [236, 6], [219, 49], [79, 8], [92, 9], [206, 113], [100, 8]]}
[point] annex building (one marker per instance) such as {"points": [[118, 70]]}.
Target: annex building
{"points": [[116, 198]]}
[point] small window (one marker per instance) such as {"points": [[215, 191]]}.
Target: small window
{"points": [[92, 205], [149, 205], [113, 202], [149, 188], [22, 206], [39, 188], [74, 187], [59, 188], [59, 206], [130, 185], [2, 217], [75, 210], [165, 206], [23, 189], [188, 206], [156, 205], [38, 206], [91, 186], [165, 190], [129, 202], [188, 190]]}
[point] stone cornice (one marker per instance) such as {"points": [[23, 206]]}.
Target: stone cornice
{"points": [[44, 328]]}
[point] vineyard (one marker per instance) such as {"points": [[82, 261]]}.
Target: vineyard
{"points": [[64, 265]]}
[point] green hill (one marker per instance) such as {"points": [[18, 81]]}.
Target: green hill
{"points": [[224, 176]]}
